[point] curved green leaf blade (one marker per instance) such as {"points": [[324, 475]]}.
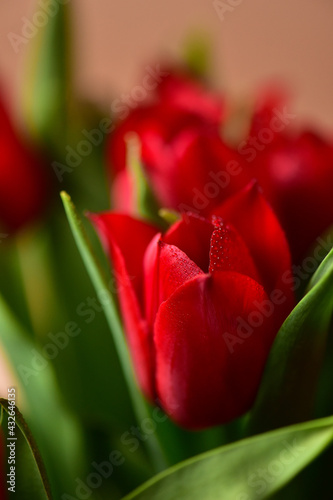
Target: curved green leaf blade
{"points": [[110, 309], [28, 460], [253, 468], [55, 430], [288, 389], [324, 270]]}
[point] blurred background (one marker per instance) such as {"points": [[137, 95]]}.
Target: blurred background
{"points": [[254, 42]]}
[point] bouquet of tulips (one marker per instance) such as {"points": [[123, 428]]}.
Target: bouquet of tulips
{"points": [[188, 354]]}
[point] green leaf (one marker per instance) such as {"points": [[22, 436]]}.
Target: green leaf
{"points": [[144, 202], [288, 389], [56, 431], [198, 55], [253, 468], [28, 462], [47, 89], [169, 216], [111, 312], [325, 269]]}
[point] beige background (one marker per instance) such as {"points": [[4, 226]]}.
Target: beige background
{"points": [[256, 41]]}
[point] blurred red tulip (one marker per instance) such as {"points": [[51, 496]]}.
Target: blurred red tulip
{"points": [[24, 179], [184, 157], [296, 174], [189, 167]]}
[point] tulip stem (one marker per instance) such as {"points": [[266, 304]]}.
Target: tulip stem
{"points": [[111, 312], [37, 278]]}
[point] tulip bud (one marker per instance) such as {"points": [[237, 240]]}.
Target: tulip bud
{"points": [[181, 148], [199, 304]]}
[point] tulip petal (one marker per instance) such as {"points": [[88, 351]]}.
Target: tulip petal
{"points": [[296, 174], [122, 192], [175, 269], [228, 251], [209, 171], [211, 342], [166, 269], [256, 222], [192, 235], [150, 266], [132, 236], [119, 234], [188, 94]]}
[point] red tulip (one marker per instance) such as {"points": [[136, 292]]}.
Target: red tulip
{"points": [[24, 180], [296, 174], [188, 94], [295, 171], [201, 304], [187, 162], [269, 106]]}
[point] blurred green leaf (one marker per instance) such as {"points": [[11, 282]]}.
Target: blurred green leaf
{"points": [[169, 216], [30, 475], [197, 55], [144, 201], [288, 389], [250, 469], [32, 249], [47, 89], [57, 433]]}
